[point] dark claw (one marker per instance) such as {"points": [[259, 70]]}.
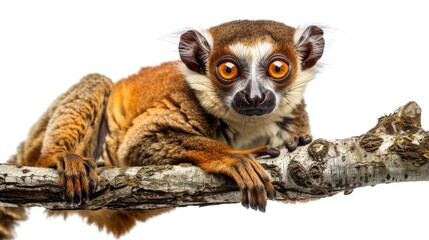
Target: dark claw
{"points": [[271, 195], [304, 140], [93, 185], [270, 151], [262, 208], [85, 196], [70, 199], [63, 192], [100, 164], [77, 198], [273, 152], [348, 191], [62, 185], [291, 146], [254, 206]]}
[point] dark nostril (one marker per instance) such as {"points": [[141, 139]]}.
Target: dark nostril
{"points": [[256, 100]]}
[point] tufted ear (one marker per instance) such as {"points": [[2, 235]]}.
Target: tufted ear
{"points": [[194, 51], [310, 46]]}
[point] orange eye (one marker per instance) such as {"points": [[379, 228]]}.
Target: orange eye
{"points": [[278, 69], [227, 70]]}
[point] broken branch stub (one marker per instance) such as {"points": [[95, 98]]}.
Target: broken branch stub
{"points": [[395, 150]]}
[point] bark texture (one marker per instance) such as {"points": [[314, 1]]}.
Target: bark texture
{"points": [[395, 150]]}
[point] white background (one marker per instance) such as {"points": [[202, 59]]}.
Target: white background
{"points": [[375, 60]]}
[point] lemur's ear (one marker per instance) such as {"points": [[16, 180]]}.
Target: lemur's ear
{"points": [[194, 51], [310, 46]]}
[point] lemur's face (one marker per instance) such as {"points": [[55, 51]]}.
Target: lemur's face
{"points": [[250, 68]]}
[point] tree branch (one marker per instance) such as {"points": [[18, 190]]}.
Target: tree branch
{"points": [[395, 150]]}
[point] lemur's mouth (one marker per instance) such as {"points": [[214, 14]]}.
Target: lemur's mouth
{"points": [[251, 111]]}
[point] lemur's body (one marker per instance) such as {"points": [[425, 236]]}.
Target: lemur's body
{"points": [[237, 89]]}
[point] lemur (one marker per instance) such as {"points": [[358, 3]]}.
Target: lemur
{"points": [[236, 94]]}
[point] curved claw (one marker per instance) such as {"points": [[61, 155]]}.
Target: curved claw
{"points": [[304, 140], [291, 146], [100, 164]]}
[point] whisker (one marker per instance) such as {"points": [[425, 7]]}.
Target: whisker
{"points": [[198, 82]]}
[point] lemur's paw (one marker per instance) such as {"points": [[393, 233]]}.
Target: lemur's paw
{"points": [[301, 140], [77, 176]]}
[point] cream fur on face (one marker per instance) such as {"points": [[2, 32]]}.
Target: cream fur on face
{"points": [[251, 131]]}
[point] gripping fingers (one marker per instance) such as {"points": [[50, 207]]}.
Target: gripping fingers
{"points": [[61, 177], [258, 198], [77, 178], [235, 174], [91, 169], [250, 187], [269, 188], [242, 166], [254, 184]]}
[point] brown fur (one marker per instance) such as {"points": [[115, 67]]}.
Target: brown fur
{"points": [[153, 118], [69, 127], [162, 125], [298, 122], [8, 219], [169, 127], [250, 32], [113, 221], [166, 103]]}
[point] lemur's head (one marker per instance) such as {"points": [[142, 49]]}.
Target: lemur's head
{"points": [[246, 68]]}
